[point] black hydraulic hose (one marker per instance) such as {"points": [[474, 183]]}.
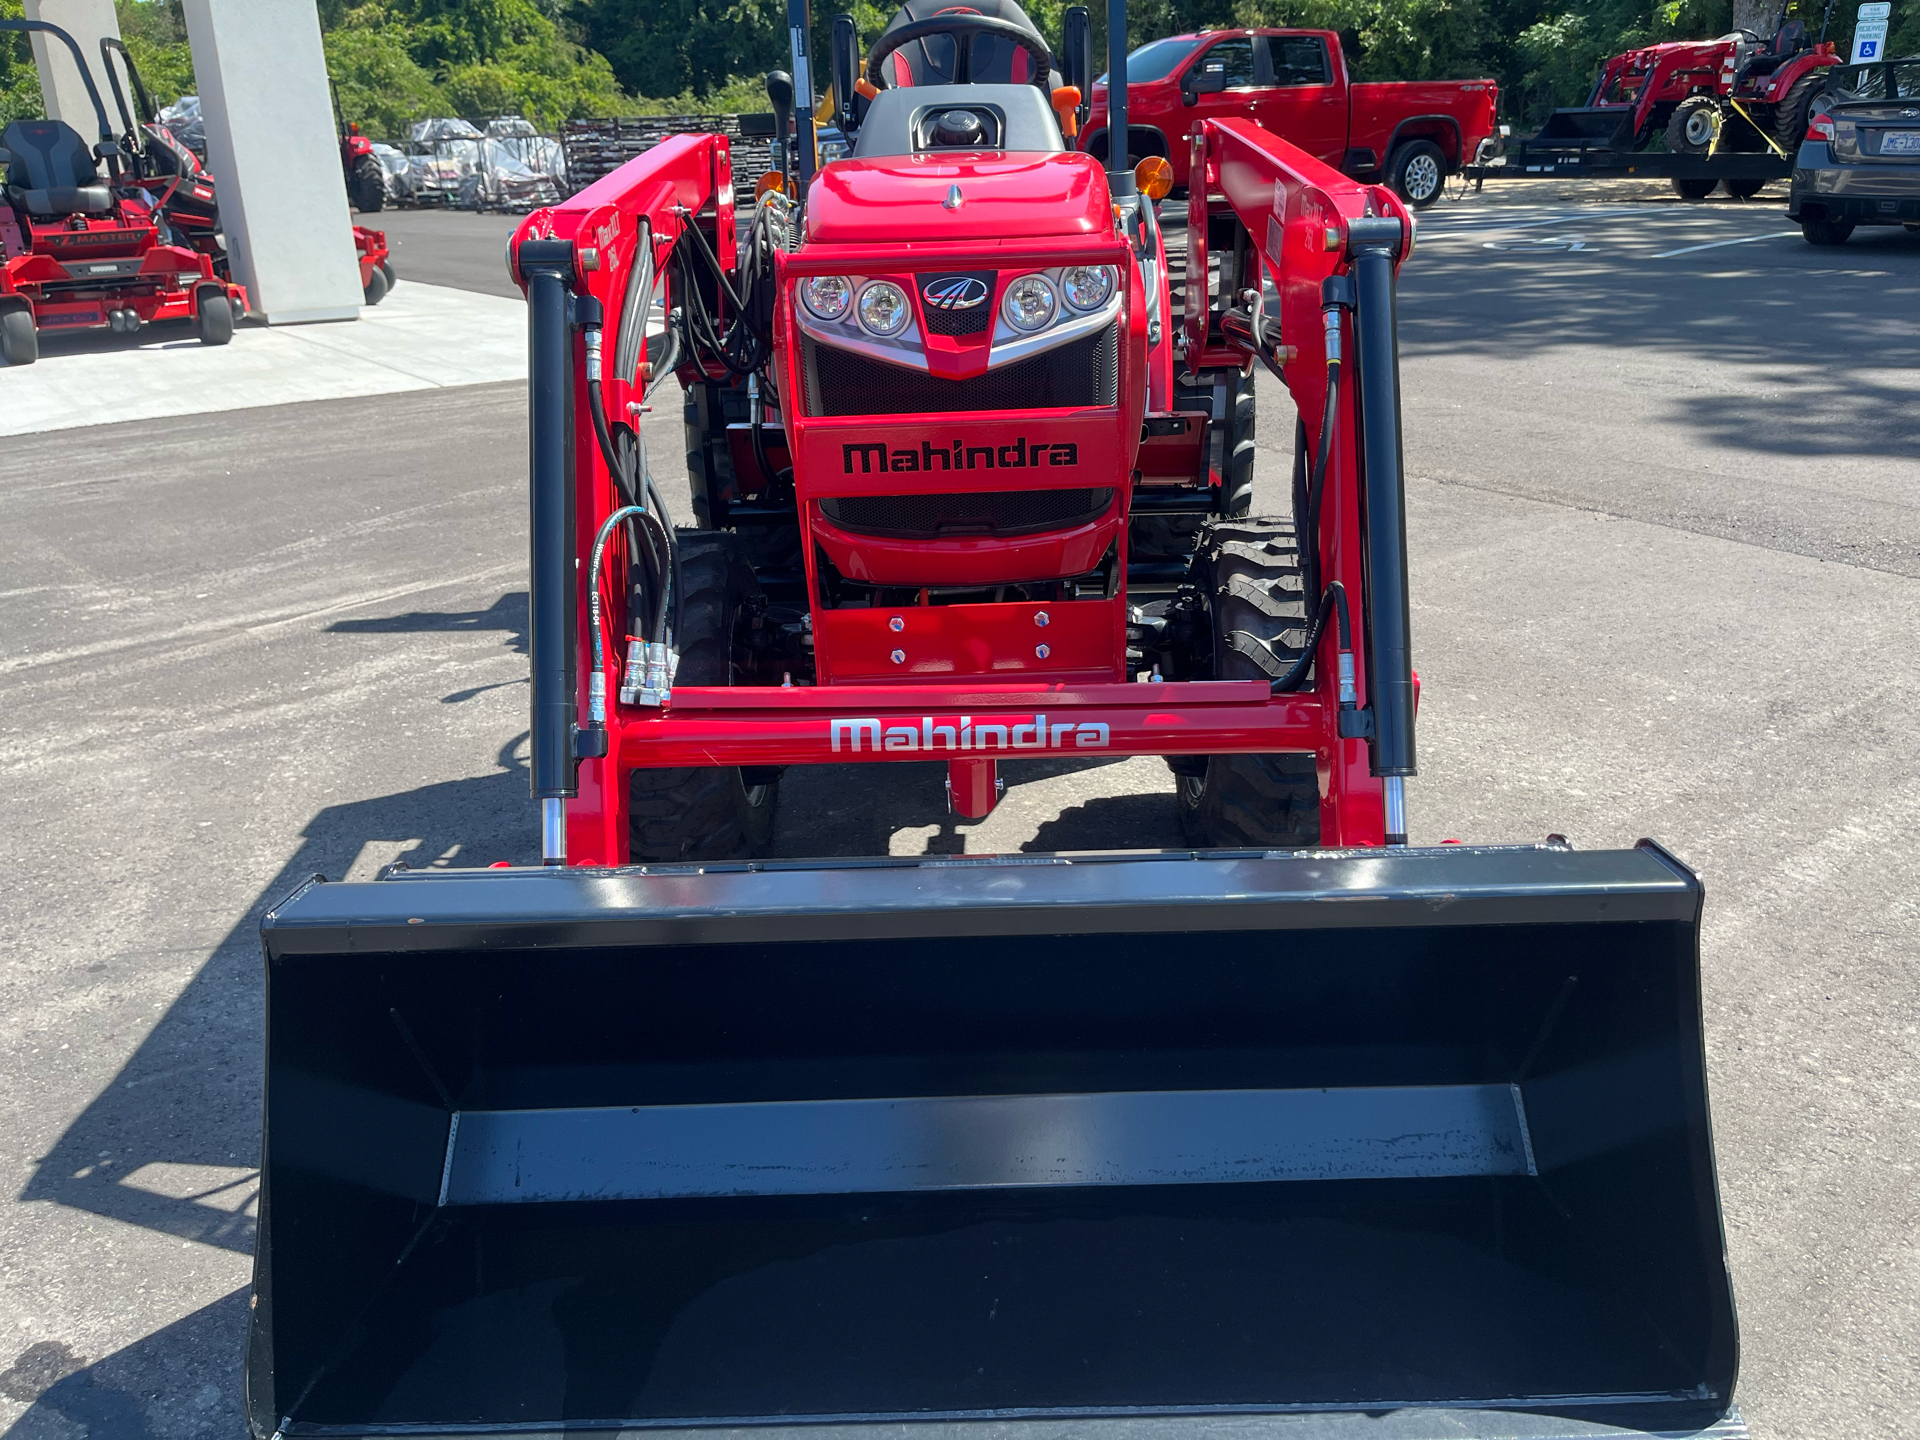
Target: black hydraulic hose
{"points": [[1317, 485], [1332, 601]]}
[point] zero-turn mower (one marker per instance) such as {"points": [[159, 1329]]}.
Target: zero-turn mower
{"points": [[81, 250], [187, 196], [1297, 1122]]}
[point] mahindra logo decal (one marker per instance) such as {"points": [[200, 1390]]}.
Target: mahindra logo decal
{"points": [[1019, 732], [1022, 454], [954, 292]]}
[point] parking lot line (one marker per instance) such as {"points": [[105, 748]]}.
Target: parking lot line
{"points": [[1716, 244]]}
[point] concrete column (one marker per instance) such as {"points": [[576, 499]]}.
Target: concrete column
{"points": [[273, 151], [89, 22]]}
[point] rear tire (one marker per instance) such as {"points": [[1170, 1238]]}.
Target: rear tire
{"points": [[1819, 230], [1694, 189], [1790, 115], [215, 318], [1743, 189], [368, 185], [1417, 171], [386, 268], [19, 341], [1693, 125], [1246, 577], [694, 813], [376, 290]]}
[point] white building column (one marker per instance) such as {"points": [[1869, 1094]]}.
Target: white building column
{"points": [[273, 151], [61, 89]]}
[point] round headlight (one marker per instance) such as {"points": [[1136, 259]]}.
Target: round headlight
{"points": [[883, 308], [1029, 303], [1087, 286], [828, 297]]}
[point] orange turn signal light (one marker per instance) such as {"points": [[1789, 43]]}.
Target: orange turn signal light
{"points": [[1153, 177], [1066, 100], [772, 180]]}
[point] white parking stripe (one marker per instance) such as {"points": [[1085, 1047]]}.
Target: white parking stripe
{"points": [[1744, 240]]}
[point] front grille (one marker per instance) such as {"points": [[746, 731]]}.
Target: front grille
{"points": [[958, 322], [1083, 373], [995, 512]]}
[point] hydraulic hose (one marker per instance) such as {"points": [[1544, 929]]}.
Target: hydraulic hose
{"points": [[597, 681], [1333, 600]]}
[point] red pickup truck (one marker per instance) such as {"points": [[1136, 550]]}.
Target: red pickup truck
{"points": [[1411, 134]]}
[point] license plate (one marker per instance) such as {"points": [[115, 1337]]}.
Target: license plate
{"points": [[1900, 142]]}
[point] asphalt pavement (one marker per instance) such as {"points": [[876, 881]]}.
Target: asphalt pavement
{"points": [[1662, 505]]}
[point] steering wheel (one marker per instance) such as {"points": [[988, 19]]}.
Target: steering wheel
{"points": [[964, 29]]}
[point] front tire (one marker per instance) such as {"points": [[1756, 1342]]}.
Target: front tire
{"points": [[368, 185], [215, 317], [1171, 537], [1694, 125], [697, 813], [376, 290], [19, 341], [1247, 581], [1417, 171]]}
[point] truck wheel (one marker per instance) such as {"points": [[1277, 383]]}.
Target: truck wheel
{"points": [[1819, 230], [1693, 125], [703, 812], [215, 317], [1171, 537], [1417, 171], [1246, 578], [19, 341], [368, 185], [1744, 189], [1790, 115], [1693, 189]]}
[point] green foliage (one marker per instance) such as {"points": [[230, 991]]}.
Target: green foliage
{"points": [[19, 81]]}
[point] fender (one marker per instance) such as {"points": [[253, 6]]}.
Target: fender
{"points": [[1454, 161], [1159, 138]]}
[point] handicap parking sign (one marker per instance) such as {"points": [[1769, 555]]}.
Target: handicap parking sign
{"points": [[1870, 31]]}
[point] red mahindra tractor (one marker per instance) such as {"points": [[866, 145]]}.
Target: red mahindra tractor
{"points": [[1737, 93], [82, 250], [659, 1133], [366, 181]]}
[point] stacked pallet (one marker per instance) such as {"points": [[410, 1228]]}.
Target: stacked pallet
{"points": [[599, 147]]}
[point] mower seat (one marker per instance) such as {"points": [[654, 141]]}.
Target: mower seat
{"points": [[51, 172]]}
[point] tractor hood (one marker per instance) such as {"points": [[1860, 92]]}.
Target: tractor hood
{"points": [[908, 199]]}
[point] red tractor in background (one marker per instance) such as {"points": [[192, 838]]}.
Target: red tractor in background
{"points": [[1739, 93], [366, 181], [81, 250]]}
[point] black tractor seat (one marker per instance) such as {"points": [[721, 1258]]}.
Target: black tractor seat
{"points": [[51, 172], [1787, 42], [930, 61]]}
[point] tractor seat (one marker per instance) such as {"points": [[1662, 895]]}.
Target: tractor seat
{"points": [[1788, 41], [51, 172], [930, 61]]}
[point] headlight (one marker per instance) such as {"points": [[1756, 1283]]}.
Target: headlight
{"points": [[827, 297], [1087, 286], [1029, 303], [884, 309]]}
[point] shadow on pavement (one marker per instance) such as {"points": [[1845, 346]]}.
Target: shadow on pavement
{"points": [[170, 1144], [183, 1380], [509, 614]]}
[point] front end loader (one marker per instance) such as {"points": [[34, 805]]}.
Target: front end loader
{"points": [[1283, 1132]]}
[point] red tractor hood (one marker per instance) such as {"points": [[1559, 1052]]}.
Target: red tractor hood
{"points": [[903, 199]]}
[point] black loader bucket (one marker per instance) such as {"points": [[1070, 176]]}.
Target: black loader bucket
{"points": [[1600, 124], [1034, 1136]]}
